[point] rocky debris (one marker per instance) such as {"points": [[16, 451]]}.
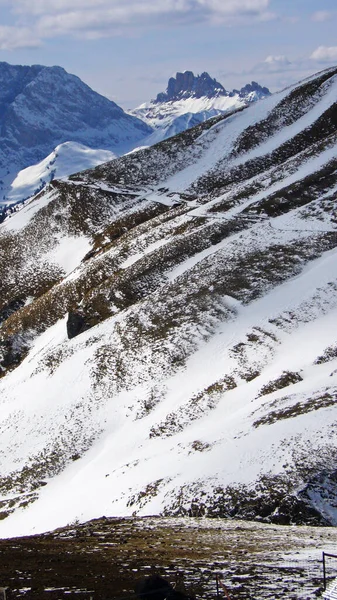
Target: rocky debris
{"points": [[321, 493]]}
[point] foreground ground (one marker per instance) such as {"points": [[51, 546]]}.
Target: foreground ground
{"points": [[104, 558]]}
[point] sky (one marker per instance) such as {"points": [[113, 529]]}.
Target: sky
{"points": [[128, 49]]}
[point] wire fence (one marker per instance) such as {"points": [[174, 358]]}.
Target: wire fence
{"points": [[302, 578]]}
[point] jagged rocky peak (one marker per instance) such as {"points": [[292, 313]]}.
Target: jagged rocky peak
{"points": [[191, 99], [186, 84], [254, 89]]}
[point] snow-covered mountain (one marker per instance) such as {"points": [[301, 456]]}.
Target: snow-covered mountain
{"points": [[190, 100], [66, 159], [42, 107], [168, 334]]}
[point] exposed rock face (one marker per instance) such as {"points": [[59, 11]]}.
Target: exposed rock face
{"points": [[76, 324]]}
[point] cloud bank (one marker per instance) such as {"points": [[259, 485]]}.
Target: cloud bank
{"points": [[325, 54], [104, 18]]}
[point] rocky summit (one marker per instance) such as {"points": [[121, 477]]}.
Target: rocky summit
{"points": [[168, 327], [253, 90], [186, 84]]}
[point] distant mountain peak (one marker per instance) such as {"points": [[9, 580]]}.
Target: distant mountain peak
{"points": [[186, 84], [253, 88], [190, 99]]}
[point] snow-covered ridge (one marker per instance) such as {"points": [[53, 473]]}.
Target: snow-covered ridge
{"points": [[185, 359]]}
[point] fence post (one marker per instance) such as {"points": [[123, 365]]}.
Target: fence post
{"points": [[3, 592], [324, 572]]}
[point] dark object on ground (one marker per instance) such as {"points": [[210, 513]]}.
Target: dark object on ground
{"points": [[76, 324], [157, 588]]}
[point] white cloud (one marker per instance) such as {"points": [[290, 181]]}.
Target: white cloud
{"points": [[235, 7], [101, 18], [277, 63], [322, 15], [278, 71], [17, 37], [325, 54], [132, 7]]}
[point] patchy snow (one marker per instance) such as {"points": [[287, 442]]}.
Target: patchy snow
{"points": [[237, 450], [221, 138], [151, 248]]}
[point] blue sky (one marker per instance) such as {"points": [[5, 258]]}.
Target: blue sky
{"points": [[127, 49]]}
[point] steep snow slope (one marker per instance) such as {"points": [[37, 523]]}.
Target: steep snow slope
{"points": [[201, 371]]}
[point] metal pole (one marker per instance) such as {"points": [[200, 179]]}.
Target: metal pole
{"points": [[217, 586]]}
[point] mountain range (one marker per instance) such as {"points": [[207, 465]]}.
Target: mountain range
{"points": [[168, 339], [42, 108]]}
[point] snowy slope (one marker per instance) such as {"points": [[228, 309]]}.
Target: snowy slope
{"points": [[66, 159], [201, 371]]}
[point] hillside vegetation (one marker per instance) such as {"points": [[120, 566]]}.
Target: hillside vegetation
{"points": [[168, 339]]}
